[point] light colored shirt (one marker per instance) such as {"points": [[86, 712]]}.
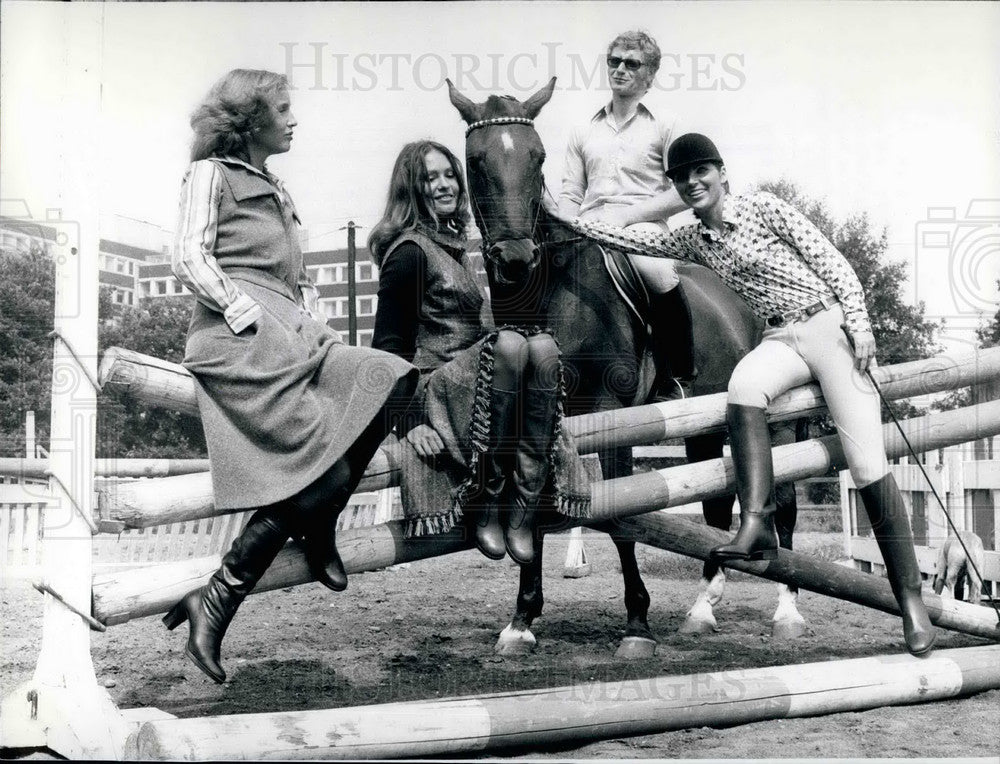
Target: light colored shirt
{"points": [[611, 164], [771, 255], [193, 260]]}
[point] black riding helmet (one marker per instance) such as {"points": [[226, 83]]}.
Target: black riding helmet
{"points": [[690, 149]]}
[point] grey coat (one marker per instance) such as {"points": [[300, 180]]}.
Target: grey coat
{"points": [[282, 400]]}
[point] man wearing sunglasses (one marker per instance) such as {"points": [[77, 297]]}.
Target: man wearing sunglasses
{"points": [[616, 173]]}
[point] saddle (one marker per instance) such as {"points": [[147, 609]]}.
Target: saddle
{"points": [[632, 290], [627, 282]]}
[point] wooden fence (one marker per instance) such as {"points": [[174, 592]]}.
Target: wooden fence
{"points": [[966, 477], [22, 523]]}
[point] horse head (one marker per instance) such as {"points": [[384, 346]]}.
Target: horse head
{"points": [[504, 156]]}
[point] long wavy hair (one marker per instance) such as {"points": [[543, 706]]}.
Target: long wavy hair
{"points": [[236, 106], [406, 206]]}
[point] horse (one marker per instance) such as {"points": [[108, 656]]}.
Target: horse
{"points": [[953, 566], [565, 286]]}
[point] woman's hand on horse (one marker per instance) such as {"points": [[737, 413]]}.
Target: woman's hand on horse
{"points": [[425, 441], [864, 349]]}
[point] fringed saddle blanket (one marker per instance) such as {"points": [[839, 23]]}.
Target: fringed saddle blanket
{"points": [[456, 402]]}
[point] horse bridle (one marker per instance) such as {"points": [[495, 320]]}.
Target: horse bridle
{"points": [[489, 241]]}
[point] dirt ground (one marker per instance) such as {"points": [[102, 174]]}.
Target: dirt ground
{"points": [[427, 630]]}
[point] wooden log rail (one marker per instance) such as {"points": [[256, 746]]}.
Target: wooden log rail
{"points": [[537, 719], [129, 594], [108, 468], [182, 498]]}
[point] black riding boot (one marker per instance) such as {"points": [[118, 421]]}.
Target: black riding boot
{"points": [[212, 607], [672, 343], [317, 508], [751, 445], [503, 419], [891, 525], [531, 468], [320, 504]]}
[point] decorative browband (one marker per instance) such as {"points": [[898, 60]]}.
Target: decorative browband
{"points": [[498, 121]]}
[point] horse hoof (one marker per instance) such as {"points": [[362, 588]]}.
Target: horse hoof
{"points": [[697, 626], [577, 571], [514, 642], [636, 647], [788, 629]]}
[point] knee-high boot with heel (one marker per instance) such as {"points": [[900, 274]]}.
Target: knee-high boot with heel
{"points": [[211, 608], [751, 446], [531, 468], [891, 526], [317, 509], [495, 466]]}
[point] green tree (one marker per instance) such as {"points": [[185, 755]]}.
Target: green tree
{"points": [[989, 333], [27, 289], [988, 336], [125, 428]]}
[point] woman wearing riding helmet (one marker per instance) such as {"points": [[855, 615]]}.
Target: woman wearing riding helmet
{"points": [[817, 327]]}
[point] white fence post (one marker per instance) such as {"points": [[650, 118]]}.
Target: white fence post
{"points": [[62, 707]]}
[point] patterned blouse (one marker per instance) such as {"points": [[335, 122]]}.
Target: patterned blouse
{"points": [[771, 255]]}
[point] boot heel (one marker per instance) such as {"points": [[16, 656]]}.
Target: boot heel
{"points": [[175, 616]]}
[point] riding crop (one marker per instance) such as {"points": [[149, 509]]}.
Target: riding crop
{"points": [[923, 472]]}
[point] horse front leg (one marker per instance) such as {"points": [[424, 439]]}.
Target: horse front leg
{"points": [[516, 638], [787, 622], [718, 513], [638, 641]]}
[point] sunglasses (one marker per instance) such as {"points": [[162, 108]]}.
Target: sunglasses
{"points": [[630, 63]]}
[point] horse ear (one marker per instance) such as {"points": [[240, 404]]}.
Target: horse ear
{"points": [[534, 104], [468, 110]]}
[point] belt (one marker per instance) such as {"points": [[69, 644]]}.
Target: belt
{"points": [[800, 314]]}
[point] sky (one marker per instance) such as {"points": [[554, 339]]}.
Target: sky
{"points": [[886, 108]]}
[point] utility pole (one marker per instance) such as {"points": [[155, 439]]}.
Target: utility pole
{"points": [[352, 288]]}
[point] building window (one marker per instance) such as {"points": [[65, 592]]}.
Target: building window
{"points": [[366, 272], [334, 307], [366, 306], [178, 288], [365, 337]]}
